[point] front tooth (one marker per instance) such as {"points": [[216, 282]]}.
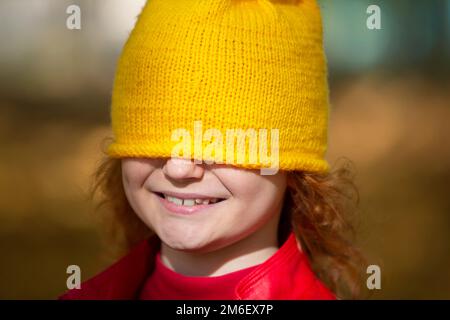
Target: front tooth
{"points": [[177, 201], [188, 202], [198, 201]]}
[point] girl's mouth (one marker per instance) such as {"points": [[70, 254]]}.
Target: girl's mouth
{"points": [[186, 203]]}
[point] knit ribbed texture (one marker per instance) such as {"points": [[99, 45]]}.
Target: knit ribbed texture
{"points": [[229, 64]]}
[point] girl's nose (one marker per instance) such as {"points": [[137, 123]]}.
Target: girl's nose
{"points": [[177, 168]]}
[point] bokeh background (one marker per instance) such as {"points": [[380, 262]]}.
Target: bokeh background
{"points": [[390, 95]]}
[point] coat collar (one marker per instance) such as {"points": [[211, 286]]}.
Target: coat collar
{"points": [[271, 280]]}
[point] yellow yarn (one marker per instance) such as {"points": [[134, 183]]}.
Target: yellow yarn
{"points": [[229, 64]]}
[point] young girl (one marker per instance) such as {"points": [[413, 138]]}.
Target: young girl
{"points": [[216, 179]]}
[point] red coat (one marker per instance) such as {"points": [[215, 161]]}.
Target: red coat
{"points": [[286, 275]]}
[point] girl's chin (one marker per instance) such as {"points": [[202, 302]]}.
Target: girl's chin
{"points": [[180, 242], [188, 247], [200, 244]]}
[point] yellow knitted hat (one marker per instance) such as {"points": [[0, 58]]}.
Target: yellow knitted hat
{"points": [[203, 68]]}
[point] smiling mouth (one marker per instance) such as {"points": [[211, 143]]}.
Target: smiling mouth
{"points": [[189, 202]]}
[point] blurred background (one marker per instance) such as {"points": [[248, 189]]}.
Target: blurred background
{"points": [[390, 95]]}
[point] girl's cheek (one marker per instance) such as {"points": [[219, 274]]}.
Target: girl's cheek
{"points": [[255, 187], [129, 178], [241, 182], [135, 173]]}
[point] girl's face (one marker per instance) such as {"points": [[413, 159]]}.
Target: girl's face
{"points": [[202, 207]]}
